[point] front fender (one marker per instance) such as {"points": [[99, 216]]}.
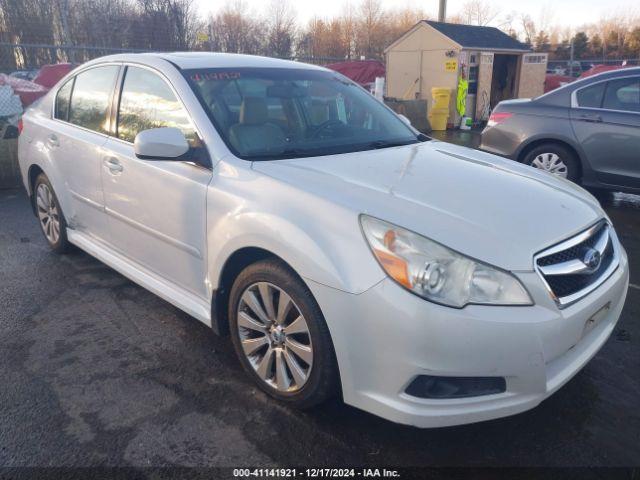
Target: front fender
{"points": [[320, 240]]}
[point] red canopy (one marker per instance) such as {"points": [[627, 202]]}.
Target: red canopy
{"points": [[602, 68], [49, 75], [553, 81], [363, 72]]}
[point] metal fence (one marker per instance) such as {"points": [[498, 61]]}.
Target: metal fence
{"points": [[31, 56], [577, 66]]}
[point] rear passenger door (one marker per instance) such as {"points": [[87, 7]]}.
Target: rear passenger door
{"points": [[77, 134], [156, 208], [606, 120]]}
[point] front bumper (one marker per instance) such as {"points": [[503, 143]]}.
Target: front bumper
{"points": [[386, 336]]}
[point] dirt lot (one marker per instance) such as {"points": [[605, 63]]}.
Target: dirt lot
{"points": [[97, 371]]}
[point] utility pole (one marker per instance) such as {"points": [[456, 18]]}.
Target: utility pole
{"points": [[442, 11], [571, 61]]}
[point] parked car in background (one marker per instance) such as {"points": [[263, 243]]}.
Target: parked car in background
{"points": [[24, 74], [343, 251], [587, 131]]}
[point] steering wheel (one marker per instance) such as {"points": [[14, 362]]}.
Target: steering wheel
{"points": [[325, 126]]}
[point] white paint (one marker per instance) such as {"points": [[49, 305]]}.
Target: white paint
{"points": [[171, 226]]}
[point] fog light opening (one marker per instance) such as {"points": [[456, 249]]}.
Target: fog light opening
{"points": [[427, 386]]}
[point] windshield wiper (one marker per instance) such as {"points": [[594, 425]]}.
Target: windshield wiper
{"points": [[329, 150], [389, 143]]}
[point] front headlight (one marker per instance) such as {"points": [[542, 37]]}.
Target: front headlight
{"points": [[436, 272]]}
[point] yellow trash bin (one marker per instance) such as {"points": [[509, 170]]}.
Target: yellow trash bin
{"points": [[441, 97], [438, 118], [438, 121]]}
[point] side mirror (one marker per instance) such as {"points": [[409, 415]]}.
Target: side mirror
{"points": [[166, 143], [405, 119]]}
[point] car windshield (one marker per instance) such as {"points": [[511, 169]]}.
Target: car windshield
{"points": [[273, 113]]}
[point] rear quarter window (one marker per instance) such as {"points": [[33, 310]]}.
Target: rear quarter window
{"points": [[63, 98]]}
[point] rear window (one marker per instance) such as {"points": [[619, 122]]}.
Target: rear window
{"points": [[591, 97], [91, 97]]}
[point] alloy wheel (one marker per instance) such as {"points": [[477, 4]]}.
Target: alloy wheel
{"points": [[48, 213], [552, 163], [275, 337]]}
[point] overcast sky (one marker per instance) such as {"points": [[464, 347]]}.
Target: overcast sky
{"points": [[569, 13]]}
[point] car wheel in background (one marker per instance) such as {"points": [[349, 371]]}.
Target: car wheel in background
{"points": [[554, 158], [280, 335], [50, 216]]}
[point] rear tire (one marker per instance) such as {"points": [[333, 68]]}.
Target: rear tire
{"points": [[556, 159], [50, 217], [280, 336]]}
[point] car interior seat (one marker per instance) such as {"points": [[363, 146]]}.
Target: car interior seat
{"points": [[254, 133]]}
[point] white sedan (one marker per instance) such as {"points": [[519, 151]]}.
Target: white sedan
{"points": [[342, 251]]}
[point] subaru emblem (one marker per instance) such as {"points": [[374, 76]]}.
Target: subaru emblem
{"points": [[592, 258]]}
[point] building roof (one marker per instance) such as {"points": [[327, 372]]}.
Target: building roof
{"points": [[481, 38]]}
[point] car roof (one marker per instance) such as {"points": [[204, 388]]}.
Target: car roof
{"points": [[189, 60], [620, 72], [560, 96]]}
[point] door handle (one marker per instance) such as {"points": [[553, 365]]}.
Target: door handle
{"points": [[114, 165], [588, 117], [53, 141]]}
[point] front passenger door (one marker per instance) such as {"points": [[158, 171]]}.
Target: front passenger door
{"points": [[156, 209]]}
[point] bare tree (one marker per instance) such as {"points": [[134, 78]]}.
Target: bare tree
{"points": [[349, 25], [233, 30], [479, 12], [168, 24], [528, 28], [281, 28], [369, 28]]}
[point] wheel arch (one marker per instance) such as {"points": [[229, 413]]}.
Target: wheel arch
{"points": [[233, 265], [32, 174], [335, 257]]}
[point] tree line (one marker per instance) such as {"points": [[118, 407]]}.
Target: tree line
{"points": [[362, 29]]}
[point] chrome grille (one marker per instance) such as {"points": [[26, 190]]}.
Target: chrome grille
{"points": [[577, 266]]}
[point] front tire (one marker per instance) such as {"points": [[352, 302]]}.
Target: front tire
{"points": [[50, 217], [555, 159], [280, 336]]}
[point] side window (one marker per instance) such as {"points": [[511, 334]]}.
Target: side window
{"points": [[623, 94], [62, 101], [91, 96], [591, 97], [148, 102]]}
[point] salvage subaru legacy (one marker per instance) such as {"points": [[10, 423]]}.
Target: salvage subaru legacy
{"points": [[342, 251]]}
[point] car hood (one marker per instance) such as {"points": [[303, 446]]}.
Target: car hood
{"points": [[481, 205]]}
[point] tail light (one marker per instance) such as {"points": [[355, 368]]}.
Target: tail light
{"points": [[498, 117], [20, 126]]}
